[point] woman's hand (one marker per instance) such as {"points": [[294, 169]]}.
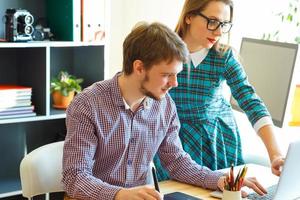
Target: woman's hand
{"points": [[276, 165]]}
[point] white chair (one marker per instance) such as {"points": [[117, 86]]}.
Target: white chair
{"points": [[41, 170]]}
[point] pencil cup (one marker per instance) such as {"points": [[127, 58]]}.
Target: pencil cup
{"points": [[232, 195]]}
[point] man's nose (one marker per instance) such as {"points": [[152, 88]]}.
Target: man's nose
{"points": [[173, 81]]}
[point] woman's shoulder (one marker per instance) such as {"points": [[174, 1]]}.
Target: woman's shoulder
{"points": [[222, 50], [225, 53]]}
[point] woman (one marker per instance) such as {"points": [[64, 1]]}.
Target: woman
{"points": [[208, 129]]}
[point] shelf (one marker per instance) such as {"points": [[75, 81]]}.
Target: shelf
{"points": [[57, 112], [31, 44], [34, 64], [54, 115], [10, 187]]}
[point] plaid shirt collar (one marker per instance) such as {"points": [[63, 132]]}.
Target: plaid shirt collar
{"points": [[119, 99], [198, 56]]}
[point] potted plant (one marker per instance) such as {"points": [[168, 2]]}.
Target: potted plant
{"points": [[63, 88]]}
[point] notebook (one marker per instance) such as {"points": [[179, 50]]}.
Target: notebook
{"points": [[179, 196], [288, 187]]}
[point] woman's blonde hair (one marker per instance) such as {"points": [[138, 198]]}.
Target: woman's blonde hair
{"points": [[193, 6]]}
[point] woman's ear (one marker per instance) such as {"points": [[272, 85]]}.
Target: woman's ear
{"points": [[188, 19]]}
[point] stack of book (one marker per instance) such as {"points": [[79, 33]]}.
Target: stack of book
{"points": [[15, 101]]}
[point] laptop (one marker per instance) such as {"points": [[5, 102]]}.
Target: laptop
{"points": [[288, 186]]}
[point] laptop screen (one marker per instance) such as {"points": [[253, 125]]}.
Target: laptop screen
{"points": [[289, 182]]}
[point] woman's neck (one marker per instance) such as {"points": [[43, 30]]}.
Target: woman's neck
{"points": [[192, 46]]}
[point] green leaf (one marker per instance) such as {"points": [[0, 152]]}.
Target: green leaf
{"points": [[65, 83], [289, 17]]}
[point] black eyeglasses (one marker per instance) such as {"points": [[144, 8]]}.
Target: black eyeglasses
{"points": [[213, 24]]}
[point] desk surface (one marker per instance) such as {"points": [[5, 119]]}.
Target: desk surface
{"points": [[263, 175]]}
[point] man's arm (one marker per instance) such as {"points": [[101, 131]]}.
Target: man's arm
{"points": [[179, 164], [140, 192], [79, 151]]}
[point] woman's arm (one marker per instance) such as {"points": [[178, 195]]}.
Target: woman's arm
{"points": [[267, 134]]}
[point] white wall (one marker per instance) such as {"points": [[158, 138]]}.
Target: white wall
{"points": [[126, 13], [252, 18]]}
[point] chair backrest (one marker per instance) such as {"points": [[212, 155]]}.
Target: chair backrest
{"points": [[41, 170]]}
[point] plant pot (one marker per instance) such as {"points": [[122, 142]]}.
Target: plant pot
{"points": [[60, 101]]}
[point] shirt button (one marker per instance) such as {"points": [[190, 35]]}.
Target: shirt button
{"points": [[129, 162]]}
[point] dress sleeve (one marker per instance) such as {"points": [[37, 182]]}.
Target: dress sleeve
{"points": [[79, 151], [179, 164], [242, 91]]}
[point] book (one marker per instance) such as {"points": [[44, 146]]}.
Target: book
{"points": [[17, 112], [10, 90], [93, 20], [14, 97], [16, 103], [64, 19], [16, 109], [18, 115]]}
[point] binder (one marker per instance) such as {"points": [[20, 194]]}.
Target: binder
{"points": [[93, 20], [64, 19]]}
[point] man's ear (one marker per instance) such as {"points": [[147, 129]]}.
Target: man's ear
{"points": [[138, 67]]}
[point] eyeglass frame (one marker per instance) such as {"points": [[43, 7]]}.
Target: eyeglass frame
{"points": [[220, 23]]}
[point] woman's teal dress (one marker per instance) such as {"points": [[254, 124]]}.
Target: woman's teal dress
{"points": [[209, 132]]}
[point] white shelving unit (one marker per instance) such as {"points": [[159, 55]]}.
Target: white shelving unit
{"points": [[33, 64]]}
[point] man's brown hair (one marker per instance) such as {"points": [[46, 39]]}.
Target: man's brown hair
{"points": [[152, 43]]}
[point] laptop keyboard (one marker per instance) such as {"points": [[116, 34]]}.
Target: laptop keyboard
{"points": [[269, 196]]}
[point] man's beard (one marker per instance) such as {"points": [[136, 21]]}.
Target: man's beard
{"points": [[147, 92]]}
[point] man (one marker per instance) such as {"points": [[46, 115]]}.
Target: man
{"points": [[116, 126]]}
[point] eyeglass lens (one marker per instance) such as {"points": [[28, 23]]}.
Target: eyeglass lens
{"points": [[214, 25]]}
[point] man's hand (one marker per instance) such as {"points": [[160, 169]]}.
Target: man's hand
{"points": [[276, 165], [139, 193], [250, 182]]}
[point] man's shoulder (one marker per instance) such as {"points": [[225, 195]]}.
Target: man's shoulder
{"points": [[93, 97], [168, 102], [169, 99], [98, 88], [95, 92]]}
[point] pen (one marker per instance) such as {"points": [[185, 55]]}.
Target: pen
{"points": [[231, 176], [155, 179]]}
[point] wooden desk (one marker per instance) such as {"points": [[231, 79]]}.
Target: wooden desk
{"points": [[263, 175]]}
